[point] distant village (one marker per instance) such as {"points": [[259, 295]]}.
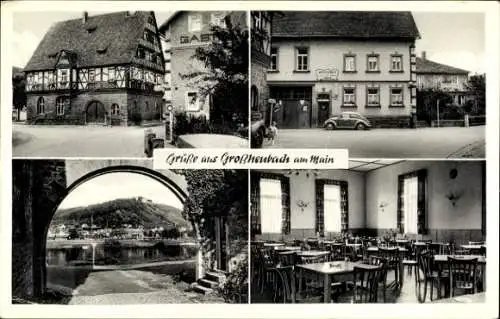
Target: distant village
{"points": [[126, 231]]}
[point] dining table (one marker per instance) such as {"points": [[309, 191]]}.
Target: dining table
{"points": [[287, 248], [312, 253], [327, 270]]}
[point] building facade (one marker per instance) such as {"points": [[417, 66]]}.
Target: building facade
{"points": [[103, 69], [260, 58], [441, 77], [324, 63], [183, 33]]}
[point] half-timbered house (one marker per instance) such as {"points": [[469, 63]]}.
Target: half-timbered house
{"points": [[104, 69]]}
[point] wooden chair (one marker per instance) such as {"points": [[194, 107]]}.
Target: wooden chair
{"points": [[366, 284], [267, 274], [379, 261], [463, 275], [427, 277], [393, 258]]}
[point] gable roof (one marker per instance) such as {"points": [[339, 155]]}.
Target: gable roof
{"points": [[115, 35], [345, 24], [164, 26], [424, 66]]}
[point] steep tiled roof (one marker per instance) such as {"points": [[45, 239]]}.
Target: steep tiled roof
{"points": [[431, 67], [114, 35], [345, 24]]}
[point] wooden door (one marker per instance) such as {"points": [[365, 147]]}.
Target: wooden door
{"points": [[95, 112], [323, 112]]}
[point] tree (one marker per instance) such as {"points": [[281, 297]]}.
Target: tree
{"points": [[224, 78], [18, 91], [427, 104], [477, 89]]}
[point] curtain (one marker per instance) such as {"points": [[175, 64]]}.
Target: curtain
{"points": [[410, 202], [332, 209], [271, 210]]}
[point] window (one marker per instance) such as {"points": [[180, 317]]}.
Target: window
{"points": [[349, 63], [194, 22], [91, 75], [397, 96], [256, 20], [141, 54], [61, 103], [349, 97], [396, 63], [40, 105], [192, 103], [63, 78], [111, 74], [274, 59], [332, 208], [270, 205], [115, 109], [410, 202], [151, 20], [372, 96], [372, 64], [302, 59]]}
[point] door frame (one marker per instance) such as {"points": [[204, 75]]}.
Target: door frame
{"points": [[87, 108], [222, 250]]}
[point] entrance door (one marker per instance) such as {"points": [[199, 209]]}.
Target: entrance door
{"points": [[95, 112], [292, 113], [222, 253], [323, 112]]}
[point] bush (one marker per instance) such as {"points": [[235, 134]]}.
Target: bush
{"points": [[188, 124], [235, 288]]}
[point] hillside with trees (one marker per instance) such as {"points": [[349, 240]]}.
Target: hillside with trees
{"points": [[116, 213]]}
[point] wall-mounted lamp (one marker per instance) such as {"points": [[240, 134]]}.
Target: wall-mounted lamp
{"points": [[383, 205], [453, 197], [302, 204]]}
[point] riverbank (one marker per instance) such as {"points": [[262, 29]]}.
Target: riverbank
{"points": [[128, 243]]}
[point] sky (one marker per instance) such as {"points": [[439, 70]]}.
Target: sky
{"points": [[111, 186], [456, 39]]}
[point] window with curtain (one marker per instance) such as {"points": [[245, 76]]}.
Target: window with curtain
{"points": [[410, 201], [332, 208], [270, 205]]}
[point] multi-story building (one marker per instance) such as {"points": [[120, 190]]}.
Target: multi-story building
{"points": [[98, 69], [438, 76], [260, 57], [182, 33], [324, 63]]}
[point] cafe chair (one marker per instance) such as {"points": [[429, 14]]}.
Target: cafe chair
{"points": [[392, 256], [463, 275], [283, 291], [379, 261], [427, 277], [366, 284]]}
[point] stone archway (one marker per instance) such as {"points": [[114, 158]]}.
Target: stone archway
{"points": [[39, 187]]}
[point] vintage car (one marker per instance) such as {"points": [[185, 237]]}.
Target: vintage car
{"points": [[347, 120]]}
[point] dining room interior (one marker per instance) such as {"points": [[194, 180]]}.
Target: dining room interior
{"points": [[380, 231]]}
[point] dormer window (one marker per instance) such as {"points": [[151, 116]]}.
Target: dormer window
{"points": [[141, 54], [151, 20]]}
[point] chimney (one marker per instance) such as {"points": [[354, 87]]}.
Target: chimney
{"points": [[85, 16], [127, 14], [424, 57]]}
